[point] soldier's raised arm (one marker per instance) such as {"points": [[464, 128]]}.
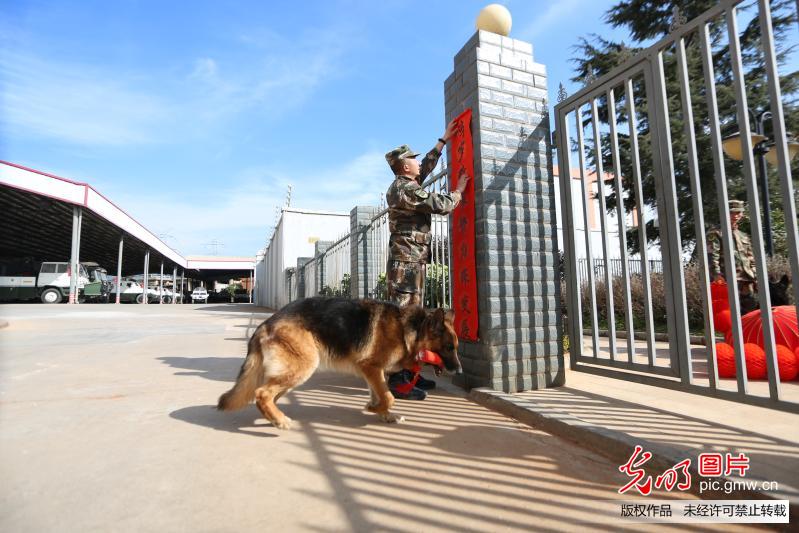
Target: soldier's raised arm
{"points": [[413, 197], [430, 160]]}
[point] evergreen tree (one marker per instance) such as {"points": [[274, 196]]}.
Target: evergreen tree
{"points": [[648, 21]]}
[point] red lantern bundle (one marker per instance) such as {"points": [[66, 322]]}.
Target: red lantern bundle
{"points": [[787, 363], [755, 361], [755, 356], [786, 330], [718, 290], [723, 321], [725, 360], [720, 306]]}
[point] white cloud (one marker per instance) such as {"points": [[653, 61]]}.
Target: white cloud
{"points": [[241, 211], [89, 104], [204, 69], [76, 104]]}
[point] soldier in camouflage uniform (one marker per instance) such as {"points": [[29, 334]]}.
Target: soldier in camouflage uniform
{"points": [[410, 210], [744, 257]]}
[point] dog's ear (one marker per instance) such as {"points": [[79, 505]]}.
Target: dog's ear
{"points": [[434, 319], [785, 280], [449, 316], [429, 318]]}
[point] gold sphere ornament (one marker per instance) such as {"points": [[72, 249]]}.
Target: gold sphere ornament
{"points": [[494, 18]]}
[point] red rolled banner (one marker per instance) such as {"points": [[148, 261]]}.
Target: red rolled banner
{"points": [[464, 279]]}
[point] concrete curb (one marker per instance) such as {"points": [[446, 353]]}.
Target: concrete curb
{"points": [[615, 445]]}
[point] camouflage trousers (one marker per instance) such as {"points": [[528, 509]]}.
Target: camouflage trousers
{"points": [[405, 282]]}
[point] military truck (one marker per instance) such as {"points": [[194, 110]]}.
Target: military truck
{"points": [[27, 279], [99, 287], [131, 292]]}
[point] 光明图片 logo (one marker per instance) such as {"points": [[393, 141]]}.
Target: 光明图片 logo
{"points": [[709, 465]]}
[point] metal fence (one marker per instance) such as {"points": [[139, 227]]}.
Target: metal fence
{"points": [[329, 273], [634, 267], [335, 275], [628, 124]]}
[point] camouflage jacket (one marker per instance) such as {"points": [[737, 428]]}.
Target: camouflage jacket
{"points": [[744, 257], [410, 210]]}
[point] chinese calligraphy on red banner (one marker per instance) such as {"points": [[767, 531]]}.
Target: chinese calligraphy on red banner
{"points": [[464, 281]]}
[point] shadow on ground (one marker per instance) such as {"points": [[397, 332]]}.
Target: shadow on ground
{"points": [[453, 465], [667, 428], [213, 368], [238, 422]]}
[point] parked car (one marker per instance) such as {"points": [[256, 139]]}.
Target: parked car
{"points": [[199, 293]]}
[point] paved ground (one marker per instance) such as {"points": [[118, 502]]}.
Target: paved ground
{"points": [[106, 424]]}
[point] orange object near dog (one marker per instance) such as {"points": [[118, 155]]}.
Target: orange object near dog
{"points": [[423, 357], [725, 360], [429, 358], [755, 361]]}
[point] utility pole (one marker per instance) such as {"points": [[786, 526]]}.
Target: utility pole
{"points": [[215, 245]]}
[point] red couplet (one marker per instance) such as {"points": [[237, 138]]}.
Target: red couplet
{"points": [[464, 280]]}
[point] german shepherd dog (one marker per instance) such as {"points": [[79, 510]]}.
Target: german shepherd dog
{"points": [[365, 337]]}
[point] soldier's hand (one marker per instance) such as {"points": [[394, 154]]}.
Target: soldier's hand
{"points": [[450, 130], [462, 182]]}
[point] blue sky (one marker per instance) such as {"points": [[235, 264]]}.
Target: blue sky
{"points": [[195, 116]]}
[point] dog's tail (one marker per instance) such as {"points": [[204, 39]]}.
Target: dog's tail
{"points": [[250, 378]]}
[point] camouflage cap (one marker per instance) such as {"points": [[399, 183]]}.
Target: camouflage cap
{"points": [[737, 206], [400, 152]]}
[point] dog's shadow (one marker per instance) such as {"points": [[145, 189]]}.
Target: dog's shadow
{"points": [[250, 421], [213, 368], [245, 421]]}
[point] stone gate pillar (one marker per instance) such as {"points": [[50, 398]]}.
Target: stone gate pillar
{"points": [[518, 284], [363, 256], [320, 247]]}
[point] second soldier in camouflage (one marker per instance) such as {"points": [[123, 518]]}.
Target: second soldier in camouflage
{"points": [[743, 256]]}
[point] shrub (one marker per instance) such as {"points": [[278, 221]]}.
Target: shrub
{"points": [[638, 301], [777, 266]]}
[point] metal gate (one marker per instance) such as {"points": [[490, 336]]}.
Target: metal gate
{"points": [[631, 104]]}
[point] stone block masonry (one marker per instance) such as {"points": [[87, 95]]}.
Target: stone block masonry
{"points": [[518, 282], [363, 255]]}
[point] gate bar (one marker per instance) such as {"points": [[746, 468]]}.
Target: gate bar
{"points": [[639, 203], [724, 209], [699, 216], [600, 185], [780, 140], [669, 224], [754, 203], [572, 280], [591, 285], [621, 213]]}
